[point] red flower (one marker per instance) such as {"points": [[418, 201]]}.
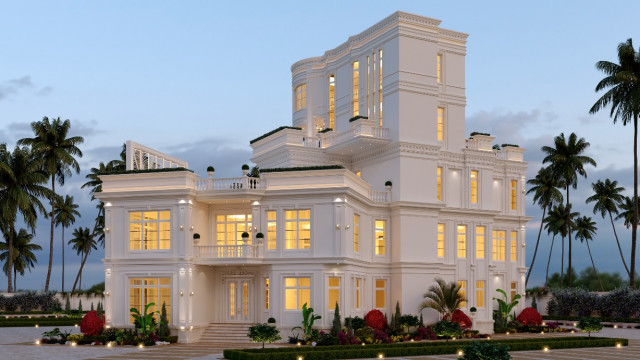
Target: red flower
{"points": [[460, 318], [529, 316], [375, 319], [91, 324]]}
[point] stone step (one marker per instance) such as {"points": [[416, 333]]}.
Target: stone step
{"points": [[225, 333]]}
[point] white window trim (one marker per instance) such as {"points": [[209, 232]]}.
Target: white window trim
{"points": [[149, 251]]}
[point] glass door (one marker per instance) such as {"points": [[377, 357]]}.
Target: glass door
{"points": [[238, 300]]}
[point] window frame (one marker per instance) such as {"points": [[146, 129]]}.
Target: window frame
{"points": [[237, 241], [481, 293], [474, 187], [439, 64], [355, 88], [463, 291], [297, 221], [356, 233], [300, 96], [331, 106], [376, 241], [158, 286], [513, 246], [480, 248], [142, 221], [297, 287], [463, 249], [440, 123], [338, 288], [498, 245], [272, 234], [358, 286], [440, 241], [439, 183], [376, 289], [513, 195]]}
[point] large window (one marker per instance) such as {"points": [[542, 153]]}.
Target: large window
{"points": [[229, 229], [463, 291], [356, 233], [462, 241], [498, 245], [480, 293], [356, 88], [441, 240], [334, 292], [439, 68], [297, 229], [143, 291], [439, 183], [358, 293], [380, 236], [381, 293], [332, 101], [297, 292], [514, 242], [271, 229], [440, 129], [301, 96], [514, 197], [480, 242], [474, 186], [150, 230]]}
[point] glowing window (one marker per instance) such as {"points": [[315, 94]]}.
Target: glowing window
{"points": [[439, 68], [380, 86], [266, 293], [498, 245], [441, 240], [480, 242], [334, 292], [356, 233], [474, 186], [514, 241], [332, 101], [380, 236], [271, 229], [440, 129], [514, 198], [514, 289], [480, 293], [143, 291], [297, 229], [462, 241], [463, 291], [381, 293], [358, 293], [150, 230], [229, 229], [301, 96], [356, 89], [297, 292], [439, 183]]}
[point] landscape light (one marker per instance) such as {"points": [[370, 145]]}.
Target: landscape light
{"points": [[298, 343], [381, 356], [618, 345], [140, 346], [73, 343], [37, 342], [37, 325], [300, 358], [109, 344], [545, 349], [460, 353]]}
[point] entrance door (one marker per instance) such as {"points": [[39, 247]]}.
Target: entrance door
{"points": [[238, 300]]}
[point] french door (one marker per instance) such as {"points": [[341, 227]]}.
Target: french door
{"points": [[238, 300]]}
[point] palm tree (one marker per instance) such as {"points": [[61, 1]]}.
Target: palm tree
{"points": [[546, 195], [95, 184], [23, 256], [627, 211], [83, 242], [623, 83], [444, 297], [560, 221], [551, 229], [585, 230], [21, 177], [57, 151], [65, 216], [607, 196], [567, 162]]}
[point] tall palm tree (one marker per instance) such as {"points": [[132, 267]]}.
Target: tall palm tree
{"points": [[83, 242], [585, 230], [544, 187], [560, 221], [568, 162], [444, 297], [23, 256], [622, 84], [58, 151], [551, 229], [65, 216], [627, 211], [21, 177], [607, 196], [95, 184]]}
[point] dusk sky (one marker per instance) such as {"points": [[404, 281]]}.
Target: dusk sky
{"points": [[199, 79]]}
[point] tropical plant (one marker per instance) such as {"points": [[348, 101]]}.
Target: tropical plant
{"points": [[461, 318], [163, 329], [83, 242], [20, 189], [443, 297], [336, 326], [622, 85], [589, 325], [65, 216], [264, 333], [545, 194], [57, 152], [95, 184], [145, 320], [506, 306], [308, 318], [447, 329], [585, 230], [567, 163], [626, 213], [23, 256], [560, 221], [607, 197], [552, 228], [483, 350]]}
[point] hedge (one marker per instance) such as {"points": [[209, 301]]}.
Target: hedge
{"points": [[303, 168], [273, 132], [40, 321], [603, 319], [413, 349], [120, 172]]}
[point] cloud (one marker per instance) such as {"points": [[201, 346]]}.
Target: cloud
{"points": [[14, 86], [85, 128]]}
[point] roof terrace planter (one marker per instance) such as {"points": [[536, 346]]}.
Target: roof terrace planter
{"points": [[143, 171], [283, 137], [302, 168], [273, 132], [480, 141]]}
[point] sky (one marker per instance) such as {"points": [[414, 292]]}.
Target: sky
{"points": [[199, 79]]}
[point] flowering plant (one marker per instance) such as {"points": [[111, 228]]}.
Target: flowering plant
{"points": [[529, 316], [375, 319], [460, 318], [347, 338], [91, 324], [425, 333]]}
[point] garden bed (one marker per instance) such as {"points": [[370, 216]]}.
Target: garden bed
{"points": [[52, 320], [413, 349]]}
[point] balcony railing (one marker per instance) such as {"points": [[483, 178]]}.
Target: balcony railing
{"points": [[240, 183], [227, 251], [380, 196]]}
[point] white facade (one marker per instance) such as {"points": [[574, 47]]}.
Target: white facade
{"points": [[455, 209]]}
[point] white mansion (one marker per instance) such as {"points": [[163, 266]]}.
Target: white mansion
{"points": [[372, 193]]}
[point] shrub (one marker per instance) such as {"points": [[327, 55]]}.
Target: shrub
{"points": [[530, 316], [259, 235], [347, 338], [447, 329], [75, 337], [483, 350], [409, 320], [354, 323], [589, 325], [388, 183], [337, 324], [534, 304], [271, 320], [91, 324], [245, 167], [163, 330], [461, 318], [425, 333], [264, 333], [364, 333], [210, 168], [375, 319]]}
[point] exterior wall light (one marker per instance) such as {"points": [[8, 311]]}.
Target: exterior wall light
{"points": [[107, 229], [181, 293], [337, 226], [191, 294]]}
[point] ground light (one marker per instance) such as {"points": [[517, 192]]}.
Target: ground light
{"points": [[37, 325], [618, 345], [73, 343], [109, 344], [37, 342], [545, 349], [507, 333], [299, 343], [76, 325], [140, 346], [300, 358], [362, 344], [460, 353], [381, 356], [615, 326]]}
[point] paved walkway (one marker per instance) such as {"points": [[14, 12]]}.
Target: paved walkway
{"points": [[17, 344]]}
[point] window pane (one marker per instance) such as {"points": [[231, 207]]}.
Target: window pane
{"points": [[380, 297], [290, 214], [135, 236], [165, 235], [165, 215], [291, 299], [305, 298], [334, 297], [334, 282], [135, 216], [151, 215], [305, 214], [165, 281], [290, 282], [271, 215], [150, 236], [305, 282]]}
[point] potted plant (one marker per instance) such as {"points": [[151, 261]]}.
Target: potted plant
{"points": [[472, 311], [210, 170], [245, 237], [245, 169], [388, 184], [196, 238], [260, 236]]}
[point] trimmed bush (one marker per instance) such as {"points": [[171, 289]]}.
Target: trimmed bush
{"points": [[483, 350], [530, 316], [91, 324], [461, 318], [375, 319], [447, 329], [589, 325]]}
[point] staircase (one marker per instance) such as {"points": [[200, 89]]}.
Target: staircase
{"points": [[226, 333]]}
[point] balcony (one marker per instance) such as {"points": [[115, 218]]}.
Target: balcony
{"points": [[230, 184], [363, 136], [228, 253]]}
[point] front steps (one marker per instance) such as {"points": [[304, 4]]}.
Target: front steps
{"points": [[226, 333]]}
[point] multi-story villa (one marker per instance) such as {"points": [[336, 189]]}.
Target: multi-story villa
{"points": [[377, 193]]}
